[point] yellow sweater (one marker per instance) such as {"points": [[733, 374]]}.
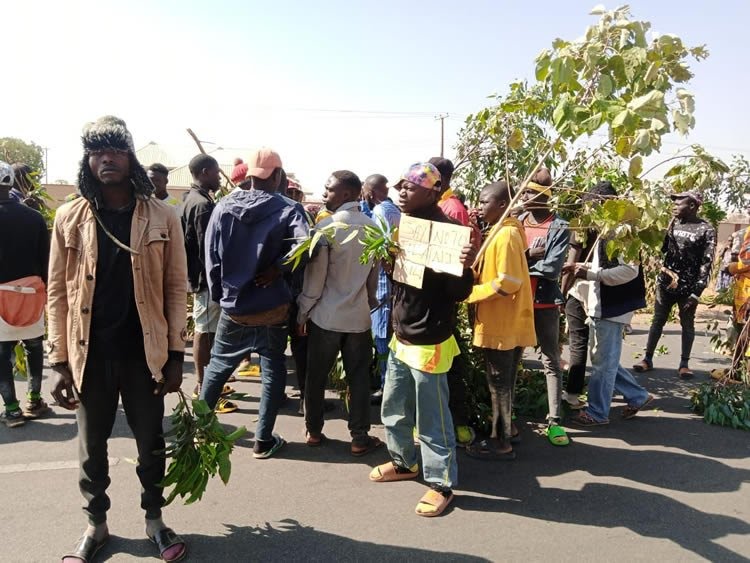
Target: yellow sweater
{"points": [[504, 322]]}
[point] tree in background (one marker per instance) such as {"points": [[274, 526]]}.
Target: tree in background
{"points": [[16, 150]]}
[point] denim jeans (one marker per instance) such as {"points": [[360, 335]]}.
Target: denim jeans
{"points": [[501, 367], [105, 381], [232, 343], [356, 352], [415, 398], [547, 324], [662, 307], [578, 335], [35, 358], [607, 375]]}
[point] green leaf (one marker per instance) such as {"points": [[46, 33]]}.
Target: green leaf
{"points": [[225, 468], [562, 69], [620, 120], [598, 10], [642, 140], [236, 434], [606, 86], [515, 140], [653, 99], [201, 407], [635, 167], [558, 116]]}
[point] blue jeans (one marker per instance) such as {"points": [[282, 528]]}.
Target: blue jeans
{"points": [[607, 375], [232, 343], [415, 398]]}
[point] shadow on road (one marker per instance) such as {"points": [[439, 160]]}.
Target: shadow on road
{"points": [[285, 540]]}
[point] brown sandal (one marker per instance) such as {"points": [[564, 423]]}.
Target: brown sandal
{"points": [[314, 440], [364, 447], [630, 412], [433, 503], [389, 471]]}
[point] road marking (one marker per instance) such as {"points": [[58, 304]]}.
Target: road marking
{"points": [[46, 466]]}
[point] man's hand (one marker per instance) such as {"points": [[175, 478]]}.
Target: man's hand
{"points": [[580, 271], [468, 255], [537, 252], [268, 276], [302, 329], [690, 302], [62, 387], [172, 372]]}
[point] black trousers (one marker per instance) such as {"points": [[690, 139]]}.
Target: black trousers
{"points": [[686, 308], [106, 380], [578, 343], [298, 344], [457, 388], [502, 366]]}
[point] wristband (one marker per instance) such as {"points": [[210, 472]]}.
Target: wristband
{"points": [[59, 364]]}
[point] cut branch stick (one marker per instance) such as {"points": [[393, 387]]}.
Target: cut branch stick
{"points": [[203, 151]]}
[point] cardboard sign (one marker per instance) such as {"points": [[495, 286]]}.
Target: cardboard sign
{"points": [[427, 244]]}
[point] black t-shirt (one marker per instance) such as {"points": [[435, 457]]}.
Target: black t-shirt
{"points": [[115, 326], [24, 242]]}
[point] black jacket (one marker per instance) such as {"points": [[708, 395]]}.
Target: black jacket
{"points": [[196, 211], [689, 252], [427, 315]]}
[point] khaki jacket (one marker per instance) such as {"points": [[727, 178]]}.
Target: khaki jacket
{"points": [[159, 274]]}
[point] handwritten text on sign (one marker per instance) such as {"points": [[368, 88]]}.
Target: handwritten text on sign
{"points": [[427, 244]]}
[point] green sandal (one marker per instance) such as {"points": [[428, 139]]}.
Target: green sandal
{"points": [[556, 435]]}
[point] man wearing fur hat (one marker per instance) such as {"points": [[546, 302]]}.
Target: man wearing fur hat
{"points": [[116, 308]]}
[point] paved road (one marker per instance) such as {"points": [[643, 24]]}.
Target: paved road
{"points": [[663, 486]]}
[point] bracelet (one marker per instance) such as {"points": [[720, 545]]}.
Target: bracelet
{"points": [[59, 364]]}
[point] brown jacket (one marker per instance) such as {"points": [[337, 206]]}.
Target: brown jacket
{"points": [[159, 274]]}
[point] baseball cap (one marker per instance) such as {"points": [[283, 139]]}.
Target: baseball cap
{"points": [[239, 172], [263, 162], [6, 174], [422, 174], [692, 194]]}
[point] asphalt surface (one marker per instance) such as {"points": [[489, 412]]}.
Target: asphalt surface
{"points": [[663, 486]]}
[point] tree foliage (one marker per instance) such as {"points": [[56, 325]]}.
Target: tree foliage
{"points": [[16, 150]]}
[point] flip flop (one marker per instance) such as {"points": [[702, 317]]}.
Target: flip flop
{"points": [[314, 440], [223, 406], [643, 366], [483, 450], [360, 448], [630, 412], [387, 472], [227, 390], [86, 549], [166, 538], [556, 435], [433, 503]]}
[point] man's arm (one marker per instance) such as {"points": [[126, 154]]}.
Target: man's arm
{"points": [[706, 262], [212, 256], [44, 242], [312, 288], [57, 297], [372, 286], [175, 274], [510, 261], [550, 266]]}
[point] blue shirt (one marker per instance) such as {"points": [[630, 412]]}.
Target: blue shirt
{"points": [[381, 318]]}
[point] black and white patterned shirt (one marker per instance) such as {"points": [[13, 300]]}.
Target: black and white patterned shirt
{"points": [[689, 252]]}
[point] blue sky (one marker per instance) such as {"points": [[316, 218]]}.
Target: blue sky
{"points": [[248, 73]]}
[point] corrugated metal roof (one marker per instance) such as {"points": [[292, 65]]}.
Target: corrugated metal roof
{"points": [[182, 178]]}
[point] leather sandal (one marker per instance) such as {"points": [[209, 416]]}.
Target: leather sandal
{"points": [[166, 538], [86, 549], [364, 447]]}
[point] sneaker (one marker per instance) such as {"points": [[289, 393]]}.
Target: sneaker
{"points": [[278, 443], [465, 436], [13, 418], [35, 408], [377, 397], [223, 406], [574, 401]]}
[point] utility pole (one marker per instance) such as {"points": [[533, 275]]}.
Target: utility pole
{"points": [[442, 117]]}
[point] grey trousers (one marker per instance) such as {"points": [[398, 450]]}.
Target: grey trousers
{"points": [[547, 324]]}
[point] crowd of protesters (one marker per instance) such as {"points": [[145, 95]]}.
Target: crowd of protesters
{"points": [[122, 257]]}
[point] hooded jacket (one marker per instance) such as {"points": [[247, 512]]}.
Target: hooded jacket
{"points": [[249, 232]]}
